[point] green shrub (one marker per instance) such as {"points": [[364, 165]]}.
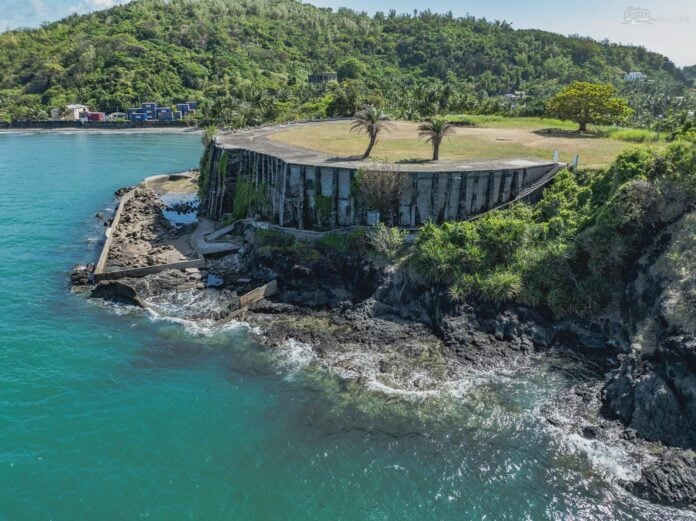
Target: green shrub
{"points": [[680, 167], [500, 285], [387, 241], [342, 242], [274, 238]]}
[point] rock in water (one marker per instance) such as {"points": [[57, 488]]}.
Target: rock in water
{"points": [[81, 274], [117, 291]]}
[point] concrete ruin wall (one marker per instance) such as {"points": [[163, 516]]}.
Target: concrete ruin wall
{"points": [[309, 196]]}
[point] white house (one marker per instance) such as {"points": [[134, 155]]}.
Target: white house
{"points": [[117, 116], [69, 112], [634, 76]]}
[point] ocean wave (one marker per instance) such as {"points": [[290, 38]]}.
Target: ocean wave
{"points": [[295, 355], [203, 327], [194, 327], [612, 462]]}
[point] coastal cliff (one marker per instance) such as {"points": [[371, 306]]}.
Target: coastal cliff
{"points": [[380, 321], [383, 326]]}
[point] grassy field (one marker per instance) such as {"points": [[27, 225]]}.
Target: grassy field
{"points": [[493, 137]]}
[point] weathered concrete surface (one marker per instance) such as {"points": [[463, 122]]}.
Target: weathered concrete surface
{"points": [[200, 242], [303, 188]]}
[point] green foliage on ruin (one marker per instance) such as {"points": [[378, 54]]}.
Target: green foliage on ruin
{"points": [[248, 198], [323, 205], [571, 251], [273, 243], [204, 172], [342, 243], [248, 62]]}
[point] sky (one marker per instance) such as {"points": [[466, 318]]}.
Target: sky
{"points": [[664, 26]]}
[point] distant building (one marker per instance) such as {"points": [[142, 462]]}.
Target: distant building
{"points": [[152, 112], [150, 109], [634, 76], [164, 114], [138, 117], [93, 116], [116, 116], [323, 77], [69, 112], [518, 94]]}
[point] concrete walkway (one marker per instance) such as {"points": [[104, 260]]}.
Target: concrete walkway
{"points": [[203, 247]]}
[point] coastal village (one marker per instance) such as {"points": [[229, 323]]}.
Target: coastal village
{"points": [[149, 111]]}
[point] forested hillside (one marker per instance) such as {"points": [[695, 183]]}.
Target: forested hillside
{"points": [[249, 61]]}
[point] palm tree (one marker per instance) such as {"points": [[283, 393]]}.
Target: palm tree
{"points": [[435, 130], [371, 121]]}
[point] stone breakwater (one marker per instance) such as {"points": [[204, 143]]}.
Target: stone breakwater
{"points": [[381, 327]]}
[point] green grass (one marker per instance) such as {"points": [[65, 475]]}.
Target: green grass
{"points": [[494, 137], [496, 121], [632, 135]]}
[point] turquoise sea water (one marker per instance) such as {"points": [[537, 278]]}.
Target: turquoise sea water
{"points": [[106, 413]]}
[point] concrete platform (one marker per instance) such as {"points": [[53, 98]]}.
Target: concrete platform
{"points": [[259, 140]]}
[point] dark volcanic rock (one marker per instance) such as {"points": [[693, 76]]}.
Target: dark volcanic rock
{"points": [[117, 291], [123, 191], [654, 390], [669, 481], [81, 274]]}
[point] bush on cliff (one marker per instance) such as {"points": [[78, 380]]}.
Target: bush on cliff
{"points": [[387, 241], [571, 251]]}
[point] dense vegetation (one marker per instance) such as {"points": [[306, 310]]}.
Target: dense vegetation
{"points": [[249, 61], [569, 252]]}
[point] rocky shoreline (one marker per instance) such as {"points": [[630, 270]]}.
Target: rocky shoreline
{"points": [[380, 325]]}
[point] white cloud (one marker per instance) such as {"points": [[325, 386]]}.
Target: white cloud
{"points": [[31, 13], [86, 6]]}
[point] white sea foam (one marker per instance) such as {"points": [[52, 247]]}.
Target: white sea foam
{"points": [[295, 355], [613, 462], [200, 327], [375, 385]]}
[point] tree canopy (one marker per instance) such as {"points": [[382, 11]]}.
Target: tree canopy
{"points": [[586, 103], [249, 61]]}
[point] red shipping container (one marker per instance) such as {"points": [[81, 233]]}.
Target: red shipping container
{"points": [[96, 116]]}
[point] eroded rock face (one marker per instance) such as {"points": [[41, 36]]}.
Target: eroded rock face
{"points": [[118, 291], [671, 480], [654, 391]]}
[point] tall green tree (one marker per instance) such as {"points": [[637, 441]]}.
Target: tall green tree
{"points": [[434, 131], [370, 121], [587, 103]]}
